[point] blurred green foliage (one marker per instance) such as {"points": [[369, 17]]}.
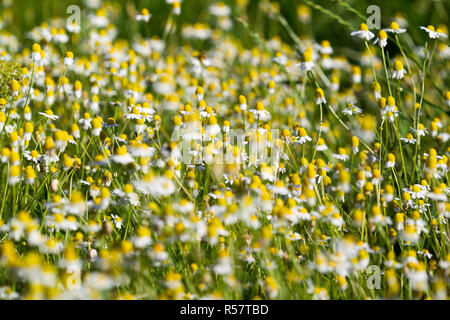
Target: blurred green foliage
{"points": [[28, 13]]}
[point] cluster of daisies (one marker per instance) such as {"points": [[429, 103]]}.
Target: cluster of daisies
{"points": [[100, 199]]}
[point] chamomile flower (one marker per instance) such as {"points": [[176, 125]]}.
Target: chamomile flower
{"points": [[144, 15], [307, 64], [243, 102], [122, 156], [363, 33], [303, 136], [220, 9], [341, 155], [14, 175], [260, 112], [68, 60], [409, 139], [381, 40], [224, 263], [421, 130], [399, 71], [49, 114], [280, 59], [394, 28], [434, 33], [32, 155], [76, 204], [321, 145], [36, 53], [320, 96], [97, 124], [390, 163], [352, 110]]}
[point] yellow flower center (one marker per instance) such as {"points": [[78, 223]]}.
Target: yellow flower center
{"points": [[398, 65]]}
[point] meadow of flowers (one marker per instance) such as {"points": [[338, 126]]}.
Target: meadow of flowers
{"points": [[224, 150]]}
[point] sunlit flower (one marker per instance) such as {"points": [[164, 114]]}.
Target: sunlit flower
{"points": [[381, 40], [68, 60], [144, 15], [307, 64], [352, 110], [363, 33], [122, 156], [394, 28], [398, 72], [434, 33], [36, 53]]}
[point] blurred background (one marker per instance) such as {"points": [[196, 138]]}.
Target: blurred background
{"points": [[25, 14]]}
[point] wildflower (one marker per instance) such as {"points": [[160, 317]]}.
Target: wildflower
{"points": [[320, 96], [272, 287], [418, 278], [117, 221], [381, 40], [352, 110], [14, 175], [321, 145], [356, 74], [279, 188], [122, 156], [303, 136], [212, 128], [77, 89], [68, 60], [334, 83], [434, 33], [29, 128], [220, 9], [242, 103], [363, 33], [161, 186], [15, 87], [142, 238], [174, 284], [307, 64], [376, 90], [280, 58], [437, 194], [325, 47], [390, 163], [51, 246], [158, 254], [409, 139], [304, 13], [176, 8], [30, 175], [144, 15], [61, 140], [97, 126], [410, 233], [355, 144], [76, 204], [395, 28], [199, 93], [36, 52], [49, 114], [260, 112], [398, 72], [7, 293], [32, 155], [223, 266]]}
